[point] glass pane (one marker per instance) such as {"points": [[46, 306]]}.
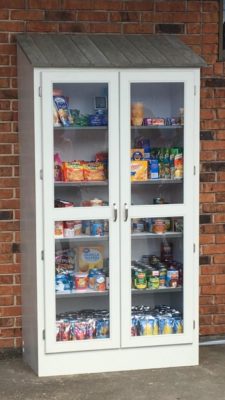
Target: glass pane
{"points": [[80, 120], [157, 276], [82, 280], [157, 118]]}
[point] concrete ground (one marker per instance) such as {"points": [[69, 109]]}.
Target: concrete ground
{"points": [[204, 382]]}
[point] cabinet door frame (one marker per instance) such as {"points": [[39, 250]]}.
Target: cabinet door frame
{"points": [[51, 214], [188, 209]]}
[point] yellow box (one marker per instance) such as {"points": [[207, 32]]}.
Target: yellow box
{"points": [[90, 257], [137, 154], [139, 170]]}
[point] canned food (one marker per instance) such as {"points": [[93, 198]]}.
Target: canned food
{"points": [[92, 278], [86, 227], [172, 277], [97, 228], [81, 281], [178, 325], [154, 282], [138, 226], [100, 282], [140, 281]]}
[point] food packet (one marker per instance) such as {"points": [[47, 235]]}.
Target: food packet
{"points": [[73, 171], [94, 171], [65, 261]]}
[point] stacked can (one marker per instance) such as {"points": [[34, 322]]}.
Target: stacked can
{"points": [[82, 325], [160, 320]]}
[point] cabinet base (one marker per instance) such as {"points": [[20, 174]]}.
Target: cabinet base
{"points": [[117, 360]]}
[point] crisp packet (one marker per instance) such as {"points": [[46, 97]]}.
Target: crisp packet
{"points": [[94, 171], [73, 171]]}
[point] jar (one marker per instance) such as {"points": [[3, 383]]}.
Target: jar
{"points": [[159, 226], [77, 228], [137, 113], [96, 202], [68, 230]]}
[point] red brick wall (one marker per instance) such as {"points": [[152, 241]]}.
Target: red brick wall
{"points": [[196, 23]]}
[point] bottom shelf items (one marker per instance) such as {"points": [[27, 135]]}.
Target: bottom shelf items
{"points": [[81, 325], [160, 320], [95, 324]]}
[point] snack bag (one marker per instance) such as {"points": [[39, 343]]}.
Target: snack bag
{"points": [[73, 171], [65, 261], [90, 257], [94, 171], [63, 110]]}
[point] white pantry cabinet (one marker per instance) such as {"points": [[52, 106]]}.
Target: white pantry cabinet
{"points": [[109, 202]]}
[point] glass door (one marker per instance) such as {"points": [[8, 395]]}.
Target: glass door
{"points": [[81, 199], [157, 201]]}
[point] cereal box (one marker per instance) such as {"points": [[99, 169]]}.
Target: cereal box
{"points": [[137, 154], [90, 257], [139, 170]]}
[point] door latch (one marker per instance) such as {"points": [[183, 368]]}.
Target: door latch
{"points": [[125, 212], [115, 212]]}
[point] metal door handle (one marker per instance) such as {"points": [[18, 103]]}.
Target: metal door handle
{"points": [[125, 212], [115, 212]]}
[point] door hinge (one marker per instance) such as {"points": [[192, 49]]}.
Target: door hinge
{"points": [[194, 170], [42, 254], [40, 91], [194, 247], [41, 174], [194, 324], [43, 334], [195, 90]]}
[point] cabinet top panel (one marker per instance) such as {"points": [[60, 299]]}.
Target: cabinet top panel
{"points": [[107, 51]]}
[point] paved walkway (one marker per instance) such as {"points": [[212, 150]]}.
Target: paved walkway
{"points": [[204, 382]]}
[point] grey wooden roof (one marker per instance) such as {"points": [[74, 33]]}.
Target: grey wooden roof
{"points": [[107, 51]]}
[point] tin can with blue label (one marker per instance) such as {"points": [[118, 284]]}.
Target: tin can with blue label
{"points": [[97, 228]]}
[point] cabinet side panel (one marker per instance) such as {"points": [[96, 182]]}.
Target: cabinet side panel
{"points": [[28, 210]]}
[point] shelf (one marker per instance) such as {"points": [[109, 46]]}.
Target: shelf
{"points": [[160, 290], [157, 181], [81, 183], [80, 128], [80, 293], [146, 235], [156, 127], [82, 238]]}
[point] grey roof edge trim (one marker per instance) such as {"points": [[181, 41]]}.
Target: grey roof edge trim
{"points": [[185, 57]]}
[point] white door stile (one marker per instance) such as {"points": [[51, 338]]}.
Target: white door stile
{"points": [[51, 214]]}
